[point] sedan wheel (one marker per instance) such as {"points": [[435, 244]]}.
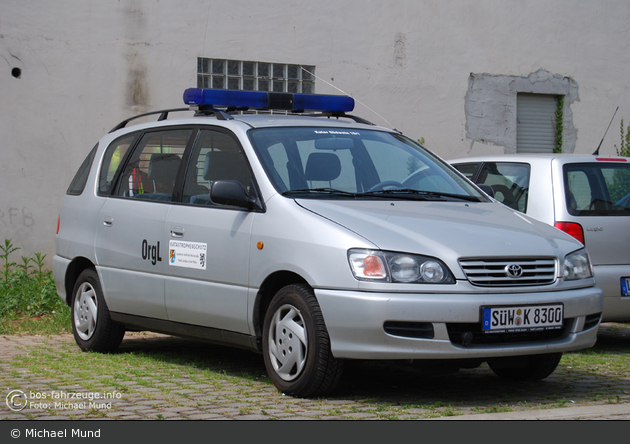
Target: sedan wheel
{"points": [[288, 343], [85, 311], [92, 326], [296, 346]]}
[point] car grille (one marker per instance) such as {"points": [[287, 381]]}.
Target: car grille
{"points": [[509, 272]]}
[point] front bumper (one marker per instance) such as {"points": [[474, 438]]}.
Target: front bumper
{"points": [[355, 322]]}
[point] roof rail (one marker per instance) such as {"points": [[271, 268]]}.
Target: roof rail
{"points": [[204, 110], [357, 119], [199, 111], [163, 116]]}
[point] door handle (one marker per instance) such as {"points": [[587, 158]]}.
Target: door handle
{"points": [[108, 221], [177, 232]]}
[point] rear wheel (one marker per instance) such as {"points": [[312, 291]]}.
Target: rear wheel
{"points": [[92, 326], [296, 346], [526, 368]]}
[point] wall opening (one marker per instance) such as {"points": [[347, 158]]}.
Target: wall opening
{"points": [[492, 111], [535, 123]]}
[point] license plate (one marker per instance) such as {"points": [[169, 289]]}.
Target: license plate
{"points": [[522, 318], [625, 286]]}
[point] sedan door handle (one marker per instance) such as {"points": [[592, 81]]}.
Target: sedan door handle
{"points": [[108, 221], [177, 232]]}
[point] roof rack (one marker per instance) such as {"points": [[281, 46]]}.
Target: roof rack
{"points": [[337, 115], [199, 111], [163, 116]]}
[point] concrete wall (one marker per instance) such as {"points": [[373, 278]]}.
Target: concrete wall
{"points": [[420, 66]]}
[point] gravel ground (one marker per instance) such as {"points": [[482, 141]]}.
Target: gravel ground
{"points": [[389, 390]]}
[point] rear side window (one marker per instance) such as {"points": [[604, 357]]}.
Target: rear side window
{"points": [[597, 189], [510, 182], [80, 178], [112, 161], [152, 168]]}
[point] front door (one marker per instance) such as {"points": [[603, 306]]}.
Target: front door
{"points": [[208, 244]]}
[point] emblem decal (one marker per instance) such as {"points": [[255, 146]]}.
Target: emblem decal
{"points": [[514, 271]]}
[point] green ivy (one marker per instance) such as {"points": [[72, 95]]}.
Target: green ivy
{"points": [[624, 150], [558, 127]]}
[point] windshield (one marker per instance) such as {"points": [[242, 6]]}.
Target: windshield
{"points": [[348, 163]]}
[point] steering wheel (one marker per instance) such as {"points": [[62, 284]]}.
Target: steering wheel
{"points": [[386, 183]]}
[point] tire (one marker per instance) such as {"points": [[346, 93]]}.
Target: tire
{"points": [[526, 368], [92, 326], [296, 345]]}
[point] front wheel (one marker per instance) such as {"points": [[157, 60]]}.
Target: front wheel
{"points": [[296, 346], [92, 326], [526, 368]]}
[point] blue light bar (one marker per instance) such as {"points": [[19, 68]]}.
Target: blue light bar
{"points": [[267, 100]]}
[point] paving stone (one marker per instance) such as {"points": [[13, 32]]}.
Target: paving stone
{"points": [[175, 396], [203, 416]]}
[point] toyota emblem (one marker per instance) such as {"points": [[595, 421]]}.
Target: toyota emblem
{"points": [[514, 271]]}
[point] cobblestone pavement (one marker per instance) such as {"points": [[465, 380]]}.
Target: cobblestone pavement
{"points": [[159, 377]]}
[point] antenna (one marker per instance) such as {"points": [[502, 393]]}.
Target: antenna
{"points": [[596, 153], [346, 94]]}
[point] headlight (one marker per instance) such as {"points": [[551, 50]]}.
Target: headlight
{"points": [[577, 265], [385, 266]]}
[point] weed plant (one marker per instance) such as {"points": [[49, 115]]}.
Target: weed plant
{"points": [[27, 289]]}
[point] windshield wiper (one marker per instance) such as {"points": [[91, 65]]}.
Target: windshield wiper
{"points": [[401, 193], [327, 191]]}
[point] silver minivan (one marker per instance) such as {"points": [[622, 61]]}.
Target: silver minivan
{"points": [[312, 239], [585, 196]]}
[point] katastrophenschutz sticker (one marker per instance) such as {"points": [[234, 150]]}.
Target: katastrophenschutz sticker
{"points": [[187, 254]]}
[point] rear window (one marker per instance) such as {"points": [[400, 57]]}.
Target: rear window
{"points": [[597, 189], [80, 178]]}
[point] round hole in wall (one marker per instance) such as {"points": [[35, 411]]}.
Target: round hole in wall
{"points": [[16, 72]]}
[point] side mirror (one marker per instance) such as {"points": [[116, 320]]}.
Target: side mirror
{"points": [[486, 189], [231, 192]]}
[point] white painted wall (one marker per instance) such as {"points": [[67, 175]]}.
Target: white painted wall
{"points": [[84, 61]]}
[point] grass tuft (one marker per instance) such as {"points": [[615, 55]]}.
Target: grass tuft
{"points": [[29, 303]]}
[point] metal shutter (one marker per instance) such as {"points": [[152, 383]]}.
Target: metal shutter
{"points": [[535, 123]]}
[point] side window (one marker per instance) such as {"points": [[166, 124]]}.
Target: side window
{"points": [[80, 178], [152, 168], [112, 161], [467, 169], [216, 156], [510, 182]]}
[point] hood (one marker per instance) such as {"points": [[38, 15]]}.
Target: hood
{"points": [[446, 230]]}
